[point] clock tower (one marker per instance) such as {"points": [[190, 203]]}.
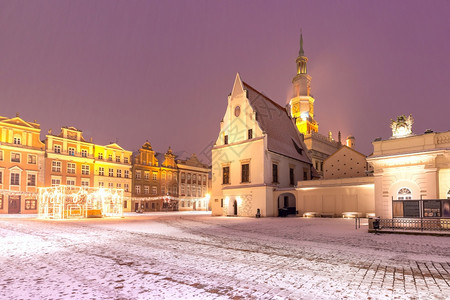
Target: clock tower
{"points": [[302, 103]]}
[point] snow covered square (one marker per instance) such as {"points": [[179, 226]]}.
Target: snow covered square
{"points": [[195, 256]]}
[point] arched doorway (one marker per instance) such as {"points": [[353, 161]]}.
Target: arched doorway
{"points": [[235, 206], [287, 204]]}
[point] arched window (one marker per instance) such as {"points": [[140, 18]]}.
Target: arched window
{"points": [[404, 194]]}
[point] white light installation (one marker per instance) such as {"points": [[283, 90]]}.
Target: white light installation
{"points": [[68, 202]]}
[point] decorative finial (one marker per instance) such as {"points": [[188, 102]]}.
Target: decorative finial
{"points": [[301, 52]]}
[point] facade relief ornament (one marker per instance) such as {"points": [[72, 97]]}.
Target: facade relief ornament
{"points": [[402, 127]]}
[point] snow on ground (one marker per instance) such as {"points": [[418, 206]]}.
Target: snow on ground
{"points": [[196, 256]]}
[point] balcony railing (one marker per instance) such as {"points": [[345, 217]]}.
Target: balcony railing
{"points": [[415, 224]]}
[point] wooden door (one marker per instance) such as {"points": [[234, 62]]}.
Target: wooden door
{"points": [[14, 205]]}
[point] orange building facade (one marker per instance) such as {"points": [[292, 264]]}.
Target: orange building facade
{"points": [[21, 165]]}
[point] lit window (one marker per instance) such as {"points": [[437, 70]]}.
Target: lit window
{"points": [[404, 194], [100, 156], [57, 148], [126, 174], [101, 171], [85, 170], [155, 177], [15, 157], [71, 168], [111, 172], [15, 179], [56, 166], [138, 189], [126, 187], [30, 204], [163, 176], [72, 151], [138, 174], [147, 175], [31, 180], [146, 189], [31, 159], [119, 173], [84, 153]]}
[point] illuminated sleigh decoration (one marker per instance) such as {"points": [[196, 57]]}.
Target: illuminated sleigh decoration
{"points": [[66, 202]]}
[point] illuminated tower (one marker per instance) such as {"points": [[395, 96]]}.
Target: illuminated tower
{"points": [[302, 103]]}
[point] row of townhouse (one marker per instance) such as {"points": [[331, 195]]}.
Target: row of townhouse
{"points": [[27, 163]]}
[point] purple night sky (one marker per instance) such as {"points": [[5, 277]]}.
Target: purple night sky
{"points": [[137, 70]]}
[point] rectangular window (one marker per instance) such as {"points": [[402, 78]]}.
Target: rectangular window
{"points": [[226, 175], [17, 140], [111, 172], [1, 177], [71, 168], [15, 157], [154, 190], [169, 176], [163, 176], [31, 159], [72, 151], [57, 148], [137, 189], [125, 204], [117, 158], [274, 173], [182, 190], [147, 175], [138, 174], [305, 175], [15, 179], [101, 184], [250, 134], [204, 179], [119, 186], [194, 179], [119, 173], [146, 189], [225, 139], [100, 156], [291, 176], [85, 183], [125, 159], [1, 155], [155, 176], [126, 174], [31, 180], [85, 170], [245, 174], [183, 177], [56, 166], [84, 153], [110, 185], [163, 190], [110, 157], [30, 204], [70, 181], [189, 178], [188, 190], [56, 182], [126, 187], [101, 171]]}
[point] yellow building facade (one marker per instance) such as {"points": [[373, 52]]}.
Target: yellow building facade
{"points": [[112, 170], [21, 165]]}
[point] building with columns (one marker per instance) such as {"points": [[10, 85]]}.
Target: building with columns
{"points": [[21, 165], [301, 109]]}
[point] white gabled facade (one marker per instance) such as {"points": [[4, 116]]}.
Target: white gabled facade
{"points": [[255, 134]]}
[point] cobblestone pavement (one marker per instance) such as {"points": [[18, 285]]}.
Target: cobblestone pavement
{"points": [[202, 257]]}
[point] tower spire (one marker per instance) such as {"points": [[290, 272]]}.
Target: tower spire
{"points": [[301, 52]]}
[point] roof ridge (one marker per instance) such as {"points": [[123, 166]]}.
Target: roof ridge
{"points": [[273, 102]]}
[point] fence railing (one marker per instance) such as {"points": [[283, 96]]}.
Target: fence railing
{"points": [[415, 224]]}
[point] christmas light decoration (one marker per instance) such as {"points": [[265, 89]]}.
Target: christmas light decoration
{"points": [[65, 202]]}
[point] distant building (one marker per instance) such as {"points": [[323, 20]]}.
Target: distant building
{"points": [[69, 159], [345, 163], [301, 108], [21, 165], [112, 170], [193, 186], [258, 149]]}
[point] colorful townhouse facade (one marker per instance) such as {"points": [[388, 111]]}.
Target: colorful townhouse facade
{"points": [[21, 165]]}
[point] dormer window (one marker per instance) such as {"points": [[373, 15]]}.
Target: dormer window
{"points": [[225, 140]]}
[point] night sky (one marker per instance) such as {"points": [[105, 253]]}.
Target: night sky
{"points": [[131, 71]]}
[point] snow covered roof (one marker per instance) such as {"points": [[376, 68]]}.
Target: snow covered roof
{"points": [[282, 135]]}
